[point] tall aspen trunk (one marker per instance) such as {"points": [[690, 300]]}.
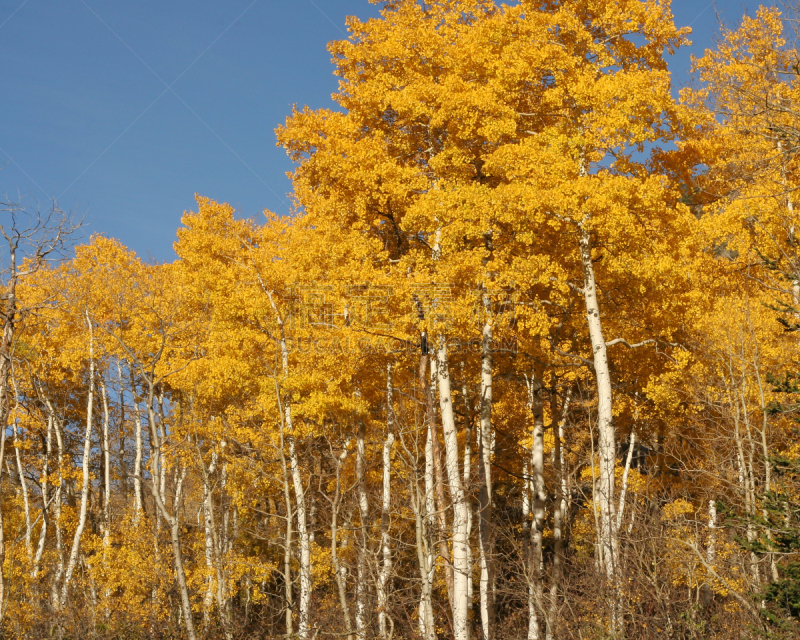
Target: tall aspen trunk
{"points": [[363, 508], [438, 477], [485, 534], [422, 506], [535, 587], [124, 481], [386, 504], [711, 549], [625, 473], [287, 551], [23, 484], [299, 491], [106, 466], [59, 572], [302, 529], [468, 476], [158, 473], [208, 526], [87, 449], [461, 567], [609, 537], [338, 570], [37, 560], [138, 491], [559, 508]]}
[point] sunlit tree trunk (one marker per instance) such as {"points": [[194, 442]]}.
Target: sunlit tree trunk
{"points": [[45, 481], [87, 449], [287, 550], [485, 534], [424, 524], [625, 474], [363, 508], [208, 526], [57, 502], [535, 573], [460, 508], [106, 465], [138, 493], [609, 538], [386, 504], [468, 476], [338, 569], [438, 478], [299, 491], [23, 485]]}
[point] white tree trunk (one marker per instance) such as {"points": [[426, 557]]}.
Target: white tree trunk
{"points": [[425, 525], [559, 510], [37, 560], [624, 489], [386, 505], [363, 508], [106, 466], [485, 447], [609, 538], [460, 508], [23, 483], [339, 571], [208, 525], [299, 491], [138, 494], [59, 572], [87, 449], [535, 574]]}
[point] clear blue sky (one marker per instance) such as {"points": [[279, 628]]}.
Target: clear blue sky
{"points": [[124, 109]]}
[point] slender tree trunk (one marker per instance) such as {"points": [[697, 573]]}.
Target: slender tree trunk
{"points": [[468, 477], [428, 528], [422, 506], [386, 504], [299, 490], [59, 572], [363, 508], [438, 476], [37, 560], [609, 538], [23, 484], [559, 509], [87, 449], [460, 508], [180, 572], [338, 570], [287, 551], [208, 526], [535, 587], [106, 466], [138, 493], [485, 533], [625, 473]]}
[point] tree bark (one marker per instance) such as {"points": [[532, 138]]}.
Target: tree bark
{"points": [[363, 508], [460, 508], [386, 504], [87, 449], [609, 537], [485, 534]]}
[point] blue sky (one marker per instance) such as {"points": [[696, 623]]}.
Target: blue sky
{"points": [[124, 110]]}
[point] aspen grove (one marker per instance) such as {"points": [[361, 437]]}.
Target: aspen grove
{"points": [[522, 363]]}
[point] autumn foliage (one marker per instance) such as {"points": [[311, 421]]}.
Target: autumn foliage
{"points": [[522, 363]]}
